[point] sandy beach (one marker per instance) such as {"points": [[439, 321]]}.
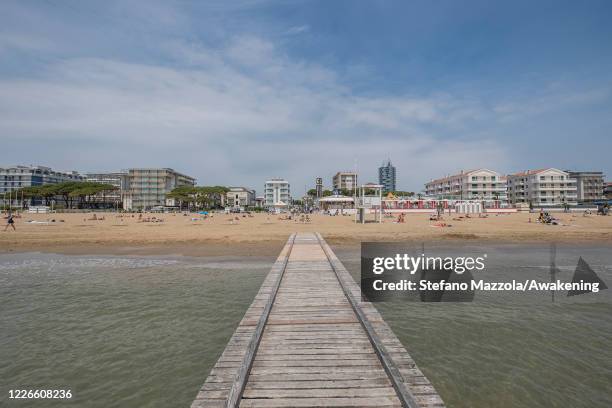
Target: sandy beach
{"points": [[264, 234]]}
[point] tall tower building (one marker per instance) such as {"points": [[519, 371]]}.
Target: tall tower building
{"points": [[386, 176], [319, 187]]}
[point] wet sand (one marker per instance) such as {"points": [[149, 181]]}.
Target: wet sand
{"points": [[264, 234]]}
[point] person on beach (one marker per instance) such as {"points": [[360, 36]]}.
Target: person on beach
{"points": [[10, 222]]}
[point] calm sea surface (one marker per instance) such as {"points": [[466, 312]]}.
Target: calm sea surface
{"points": [[145, 331], [118, 331], [513, 350]]}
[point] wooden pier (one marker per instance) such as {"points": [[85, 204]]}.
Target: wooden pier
{"points": [[307, 340]]}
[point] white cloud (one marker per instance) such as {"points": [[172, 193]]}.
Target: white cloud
{"points": [[240, 114], [237, 112]]}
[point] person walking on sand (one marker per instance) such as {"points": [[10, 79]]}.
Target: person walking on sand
{"points": [[10, 221]]}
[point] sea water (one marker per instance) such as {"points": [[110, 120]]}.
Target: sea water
{"points": [[507, 349], [118, 331], [138, 332]]}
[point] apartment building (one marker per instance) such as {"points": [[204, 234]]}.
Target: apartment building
{"points": [[608, 190], [240, 197], [16, 177], [480, 184], [589, 185], [118, 180], [147, 187], [345, 181], [277, 193], [542, 188]]}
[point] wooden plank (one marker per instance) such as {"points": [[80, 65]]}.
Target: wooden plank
{"points": [[235, 393], [308, 341], [319, 393], [355, 376], [405, 395], [320, 402], [319, 384], [394, 356]]}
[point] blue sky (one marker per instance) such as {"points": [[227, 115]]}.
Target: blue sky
{"points": [[237, 92]]}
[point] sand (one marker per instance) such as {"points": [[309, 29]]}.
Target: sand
{"points": [[265, 234]]}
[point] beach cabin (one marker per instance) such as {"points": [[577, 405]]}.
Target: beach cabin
{"points": [[336, 202]]}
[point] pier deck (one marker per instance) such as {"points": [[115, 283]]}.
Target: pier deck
{"points": [[307, 340]]}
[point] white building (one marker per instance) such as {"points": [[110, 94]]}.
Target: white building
{"points": [[344, 180], [147, 187], [481, 184], [240, 197], [277, 193], [118, 180], [542, 188]]}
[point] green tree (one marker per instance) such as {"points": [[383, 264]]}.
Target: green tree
{"points": [[84, 191], [202, 196], [184, 195], [69, 191], [211, 196]]}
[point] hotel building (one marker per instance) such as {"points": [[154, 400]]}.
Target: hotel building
{"points": [[481, 184], [240, 197], [16, 177], [542, 188], [118, 180], [146, 188], [608, 190], [345, 181], [589, 185], [277, 193]]}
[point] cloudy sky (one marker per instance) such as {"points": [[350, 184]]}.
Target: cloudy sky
{"points": [[237, 92]]}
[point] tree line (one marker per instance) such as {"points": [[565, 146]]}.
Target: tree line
{"points": [[70, 192], [202, 197]]}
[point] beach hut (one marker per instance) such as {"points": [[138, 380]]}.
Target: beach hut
{"points": [[336, 202]]}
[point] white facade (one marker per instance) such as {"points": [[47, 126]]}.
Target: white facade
{"points": [[277, 193], [345, 181], [147, 187], [481, 184], [240, 197], [118, 180], [542, 188]]}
